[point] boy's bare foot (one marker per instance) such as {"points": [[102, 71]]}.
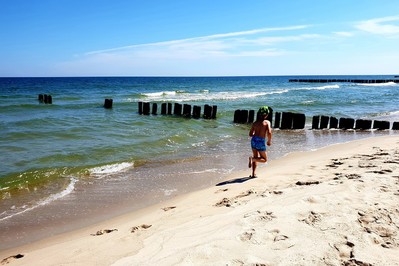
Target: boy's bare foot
{"points": [[250, 162]]}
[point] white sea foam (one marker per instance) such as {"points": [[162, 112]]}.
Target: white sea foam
{"points": [[326, 87], [206, 95], [51, 198], [159, 94], [110, 168], [378, 84]]}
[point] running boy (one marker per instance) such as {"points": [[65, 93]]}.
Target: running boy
{"points": [[259, 130]]}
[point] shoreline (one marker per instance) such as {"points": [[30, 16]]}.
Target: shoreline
{"points": [[91, 203], [239, 216]]}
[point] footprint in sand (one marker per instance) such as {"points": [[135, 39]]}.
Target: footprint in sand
{"points": [[382, 225], [281, 242], [224, 202], [345, 249], [312, 218], [346, 253], [137, 228], [263, 236], [256, 216], [11, 258], [104, 231], [233, 201], [247, 236]]}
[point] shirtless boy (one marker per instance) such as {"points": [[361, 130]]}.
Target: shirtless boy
{"points": [[260, 129]]}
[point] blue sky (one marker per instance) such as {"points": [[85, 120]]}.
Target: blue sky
{"points": [[198, 38]]}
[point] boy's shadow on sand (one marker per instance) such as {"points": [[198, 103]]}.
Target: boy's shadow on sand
{"points": [[235, 181]]}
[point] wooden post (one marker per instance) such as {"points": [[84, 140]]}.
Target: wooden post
{"points": [[333, 122], [395, 126], [363, 124], [154, 108], [286, 120], [146, 108], [236, 116], [316, 122], [298, 121], [324, 122], [169, 108], [381, 125], [251, 116], [140, 108], [107, 103], [277, 119], [207, 111], [244, 116], [196, 111], [177, 110], [163, 108], [214, 111], [270, 116], [187, 110], [346, 123]]}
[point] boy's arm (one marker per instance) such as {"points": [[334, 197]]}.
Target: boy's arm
{"points": [[251, 131]]}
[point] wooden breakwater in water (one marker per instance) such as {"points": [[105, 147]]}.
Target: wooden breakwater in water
{"points": [[185, 110], [290, 120], [369, 81]]}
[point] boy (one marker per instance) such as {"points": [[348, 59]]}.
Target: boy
{"points": [[259, 130]]}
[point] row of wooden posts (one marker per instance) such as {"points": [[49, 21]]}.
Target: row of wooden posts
{"points": [[282, 120], [289, 120], [178, 109], [346, 80], [44, 98], [326, 122]]}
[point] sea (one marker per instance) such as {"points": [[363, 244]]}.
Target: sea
{"points": [[73, 162]]}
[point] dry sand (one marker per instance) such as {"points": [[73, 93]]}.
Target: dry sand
{"points": [[335, 206]]}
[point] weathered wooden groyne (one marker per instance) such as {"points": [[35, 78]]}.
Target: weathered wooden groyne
{"points": [[330, 122], [185, 110], [282, 120], [372, 81], [290, 120]]}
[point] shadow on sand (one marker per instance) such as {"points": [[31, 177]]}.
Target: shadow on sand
{"points": [[235, 181]]}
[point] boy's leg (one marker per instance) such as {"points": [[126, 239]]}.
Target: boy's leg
{"points": [[255, 154], [261, 157]]}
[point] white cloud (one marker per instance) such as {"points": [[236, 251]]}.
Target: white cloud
{"points": [[212, 44], [380, 26], [343, 33]]}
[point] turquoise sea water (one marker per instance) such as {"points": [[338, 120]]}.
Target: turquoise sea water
{"points": [[59, 152]]}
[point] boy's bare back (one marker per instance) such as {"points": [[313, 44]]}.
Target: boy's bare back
{"points": [[260, 129]]}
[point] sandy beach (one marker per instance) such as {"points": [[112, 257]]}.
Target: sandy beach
{"points": [[334, 206]]}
